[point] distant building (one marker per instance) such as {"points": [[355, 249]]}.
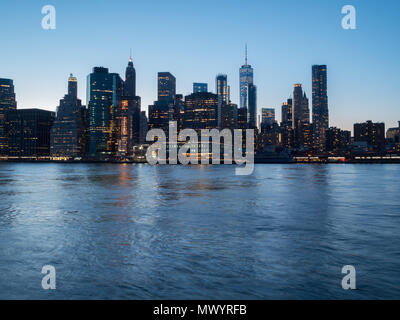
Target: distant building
{"points": [[242, 119], [301, 117], [393, 134], [143, 127], [268, 116], [222, 91], [337, 139], [246, 78], [287, 112], [252, 106], [166, 86], [229, 116], [7, 103], [29, 133], [201, 111], [130, 113], [104, 92], [320, 112], [68, 134], [200, 87], [372, 133]]}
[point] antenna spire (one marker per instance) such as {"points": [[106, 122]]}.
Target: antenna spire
{"points": [[130, 57], [245, 55]]}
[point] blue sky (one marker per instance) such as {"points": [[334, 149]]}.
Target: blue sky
{"points": [[195, 40]]}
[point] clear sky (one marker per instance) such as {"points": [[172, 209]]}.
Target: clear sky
{"points": [[195, 40]]}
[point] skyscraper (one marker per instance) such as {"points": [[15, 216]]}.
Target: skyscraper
{"points": [[246, 78], [320, 112], [287, 112], [130, 113], [166, 86], [68, 131], [301, 117], [222, 90], [29, 134], [130, 80], [104, 92], [201, 110], [7, 103], [252, 105], [372, 133], [200, 87], [268, 116]]}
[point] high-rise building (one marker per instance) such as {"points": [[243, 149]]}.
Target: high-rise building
{"points": [[230, 116], [130, 80], [246, 78], [166, 86], [337, 139], [222, 91], [7, 103], [287, 112], [252, 106], [320, 112], [268, 116], [242, 119], [200, 87], [104, 91], [130, 113], [143, 127], [372, 133], [301, 117], [29, 133], [201, 111], [68, 138]]}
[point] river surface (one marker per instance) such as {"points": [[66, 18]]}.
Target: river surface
{"points": [[115, 231]]}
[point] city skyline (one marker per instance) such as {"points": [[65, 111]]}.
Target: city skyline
{"points": [[360, 89]]}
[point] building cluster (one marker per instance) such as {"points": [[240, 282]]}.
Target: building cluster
{"points": [[112, 125]]}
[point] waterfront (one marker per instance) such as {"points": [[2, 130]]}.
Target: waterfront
{"points": [[135, 231]]}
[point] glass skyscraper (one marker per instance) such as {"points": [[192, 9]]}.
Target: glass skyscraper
{"points": [[320, 112], [246, 78], [104, 92], [7, 103]]}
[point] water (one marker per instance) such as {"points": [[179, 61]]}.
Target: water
{"points": [[199, 232]]}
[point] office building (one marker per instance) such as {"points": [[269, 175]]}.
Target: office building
{"points": [[29, 134]]}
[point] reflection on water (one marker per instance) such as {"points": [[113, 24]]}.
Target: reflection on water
{"points": [[179, 232]]}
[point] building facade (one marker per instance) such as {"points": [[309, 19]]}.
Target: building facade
{"points": [[68, 135], [320, 112], [104, 92], [7, 103], [29, 134]]}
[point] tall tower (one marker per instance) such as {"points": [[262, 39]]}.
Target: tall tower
{"points": [[320, 112], [166, 86], [130, 80], [67, 137], [246, 78], [221, 88], [7, 103], [104, 92]]}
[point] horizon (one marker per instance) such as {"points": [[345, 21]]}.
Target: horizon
{"points": [[359, 89]]}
